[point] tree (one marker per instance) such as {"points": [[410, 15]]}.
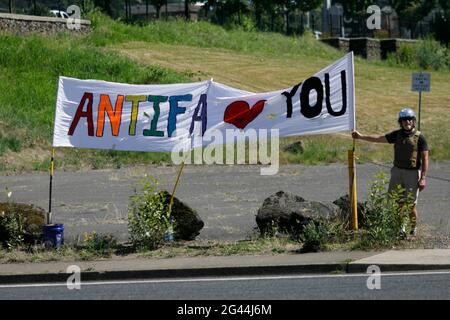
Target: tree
{"points": [[158, 4], [354, 8], [308, 5], [105, 5]]}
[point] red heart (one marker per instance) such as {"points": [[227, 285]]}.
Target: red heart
{"points": [[240, 114]]}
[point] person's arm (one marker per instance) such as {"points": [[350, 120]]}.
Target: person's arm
{"points": [[379, 139], [423, 173]]}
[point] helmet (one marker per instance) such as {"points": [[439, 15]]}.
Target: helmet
{"points": [[406, 113]]}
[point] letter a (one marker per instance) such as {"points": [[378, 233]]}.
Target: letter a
{"points": [[374, 21], [374, 280], [80, 113]]}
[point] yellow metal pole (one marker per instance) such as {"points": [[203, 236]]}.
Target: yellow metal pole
{"points": [[175, 188], [352, 187], [169, 234]]}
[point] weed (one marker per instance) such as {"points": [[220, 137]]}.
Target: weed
{"points": [[99, 245], [384, 216], [148, 216]]}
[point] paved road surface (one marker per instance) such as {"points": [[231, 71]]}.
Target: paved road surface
{"points": [[392, 286], [226, 197]]}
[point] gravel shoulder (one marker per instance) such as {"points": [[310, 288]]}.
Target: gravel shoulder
{"points": [[226, 197]]}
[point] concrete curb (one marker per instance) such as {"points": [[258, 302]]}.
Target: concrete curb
{"points": [[330, 268], [175, 273], [362, 267]]}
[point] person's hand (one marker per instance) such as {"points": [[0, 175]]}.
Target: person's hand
{"points": [[422, 184], [356, 135]]}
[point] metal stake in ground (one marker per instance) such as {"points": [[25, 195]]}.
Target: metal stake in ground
{"points": [[171, 200], [352, 187], [49, 214], [420, 82]]}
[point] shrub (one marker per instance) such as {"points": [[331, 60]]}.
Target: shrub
{"points": [[20, 223], [99, 245], [148, 216], [426, 54], [384, 215], [314, 237], [318, 234], [12, 229], [404, 56], [432, 55]]}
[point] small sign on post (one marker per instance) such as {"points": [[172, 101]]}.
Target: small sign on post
{"points": [[420, 82]]}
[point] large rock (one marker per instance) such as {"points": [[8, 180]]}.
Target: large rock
{"points": [[290, 213], [344, 204], [295, 147], [187, 222]]}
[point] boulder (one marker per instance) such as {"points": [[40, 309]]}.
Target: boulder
{"points": [[295, 147], [187, 222], [290, 213], [344, 204]]}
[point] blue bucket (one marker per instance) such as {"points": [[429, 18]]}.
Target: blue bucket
{"points": [[54, 235]]}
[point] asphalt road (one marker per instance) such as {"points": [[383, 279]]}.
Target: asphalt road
{"points": [[390, 286], [226, 197]]}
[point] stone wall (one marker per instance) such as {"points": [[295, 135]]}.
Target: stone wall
{"points": [[342, 44], [368, 48], [392, 45], [24, 24]]}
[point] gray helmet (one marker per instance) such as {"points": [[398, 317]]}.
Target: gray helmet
{"points": [[406, 113]]}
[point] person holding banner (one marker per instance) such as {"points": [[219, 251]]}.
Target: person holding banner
{"points": [[410, 158]]}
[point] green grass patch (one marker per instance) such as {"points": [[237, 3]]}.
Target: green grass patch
{"points": [[257, 61], [30, 67], [206, 35]]}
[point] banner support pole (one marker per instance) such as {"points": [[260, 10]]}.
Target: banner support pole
{"points": [[352, 187], [49, 214], [175, 187]]}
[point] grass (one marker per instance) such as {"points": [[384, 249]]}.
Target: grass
{"points": [[256, 246], [29, 95], [179, 51], [259, 246]]}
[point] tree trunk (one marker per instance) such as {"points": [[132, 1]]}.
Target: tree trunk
{"points": [[258, 18], [10, 6], [287, 22], [146, 10], [272, 21], [126, 10], [186, 9], [167, 10]]}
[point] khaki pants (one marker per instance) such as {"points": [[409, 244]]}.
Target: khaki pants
{"points": [[408, 179]]}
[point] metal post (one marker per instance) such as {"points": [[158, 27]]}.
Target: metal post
{"points": [[169, 233], [49, 214], [420, 107], [352, 187], [175, 188]]}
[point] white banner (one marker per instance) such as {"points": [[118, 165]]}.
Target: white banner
{"points": [[104, 115]]}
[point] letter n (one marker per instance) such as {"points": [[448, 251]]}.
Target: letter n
{"points": [[115, 116], [80, 113]]}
